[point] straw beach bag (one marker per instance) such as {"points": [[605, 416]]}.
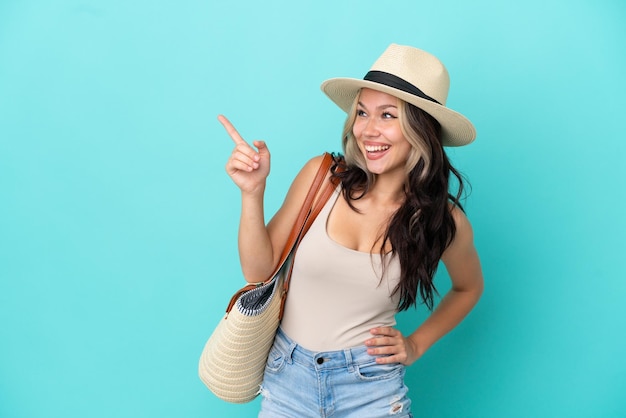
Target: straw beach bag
{"points": [[233, 360]]}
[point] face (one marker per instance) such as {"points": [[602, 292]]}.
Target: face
{"points": [[378, 133]]}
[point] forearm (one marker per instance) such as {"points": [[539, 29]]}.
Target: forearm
{"points": [[449, 313], [255, 246]]}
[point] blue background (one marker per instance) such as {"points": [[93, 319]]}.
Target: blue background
{"points": [[118, 223]]}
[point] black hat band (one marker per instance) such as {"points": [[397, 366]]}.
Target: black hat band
{"points": [[396, 82]]}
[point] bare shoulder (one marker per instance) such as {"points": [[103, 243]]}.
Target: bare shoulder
{"points": [[461, 258], [462, 222], [285, 217], [310, 168], [463, 241], [303, 180]]}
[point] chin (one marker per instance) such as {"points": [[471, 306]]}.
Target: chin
{"points": [[374, 168]]}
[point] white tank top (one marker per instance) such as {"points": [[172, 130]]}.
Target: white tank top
{"points": [[336, 294]]}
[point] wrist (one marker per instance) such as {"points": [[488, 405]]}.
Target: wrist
{"points": [[254, 193], [419, 345]]}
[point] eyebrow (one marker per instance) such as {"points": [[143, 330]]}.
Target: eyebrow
{"points": [[385, 106]]}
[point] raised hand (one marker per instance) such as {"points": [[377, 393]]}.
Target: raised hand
{"points": [[247, 167]]}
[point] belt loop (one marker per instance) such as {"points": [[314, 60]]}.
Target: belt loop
{"points": [[289, 353], [349, 363], [286, 345]]}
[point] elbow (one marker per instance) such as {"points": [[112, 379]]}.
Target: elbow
{"points": [[255, 276], [471, 291]]}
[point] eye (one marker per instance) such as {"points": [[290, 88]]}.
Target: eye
{"points": [[361, 113], [387, 115]]}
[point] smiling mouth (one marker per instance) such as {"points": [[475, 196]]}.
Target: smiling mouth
{"points": [[377, 148]]}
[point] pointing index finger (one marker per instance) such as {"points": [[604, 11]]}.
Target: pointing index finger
{"points": [[230, 129]]}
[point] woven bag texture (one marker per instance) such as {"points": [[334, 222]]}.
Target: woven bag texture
{"points": [[233, 360]]}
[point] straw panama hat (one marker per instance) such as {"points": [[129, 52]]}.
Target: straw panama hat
{"points": [[414, 76]]}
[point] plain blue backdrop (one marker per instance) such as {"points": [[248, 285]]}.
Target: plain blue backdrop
{"points": [[118, 223]]}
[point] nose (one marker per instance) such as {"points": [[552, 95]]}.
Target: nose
{"points": [[371, 127]]}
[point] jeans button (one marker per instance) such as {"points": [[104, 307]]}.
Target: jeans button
{"points": [[320, 360]]}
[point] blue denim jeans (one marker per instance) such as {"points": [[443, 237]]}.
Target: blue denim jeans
{"points": [[344, 383]]}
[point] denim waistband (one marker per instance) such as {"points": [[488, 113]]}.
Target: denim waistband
{"points": [[339, 359]]}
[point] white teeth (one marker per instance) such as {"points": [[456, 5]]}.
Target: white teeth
{"points": [[376, 148]]}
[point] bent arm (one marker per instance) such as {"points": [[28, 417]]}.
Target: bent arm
{"points": [[463, 266], [260, 246]]}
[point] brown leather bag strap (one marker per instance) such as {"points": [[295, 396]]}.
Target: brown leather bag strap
{"points": [[306, 210], [305, 218], [323, 197]]}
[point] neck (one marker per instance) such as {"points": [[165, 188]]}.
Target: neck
{"points": [[387, 189]]}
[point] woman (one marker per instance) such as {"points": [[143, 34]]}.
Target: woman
{"points": [[372, 251]]}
